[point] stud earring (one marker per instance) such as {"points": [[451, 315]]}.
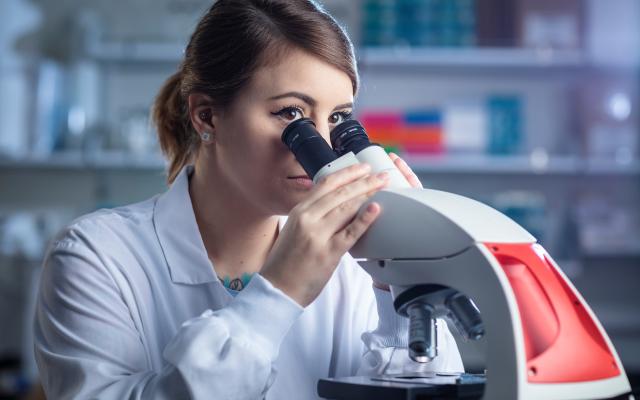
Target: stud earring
{"points": [[206, 136]]}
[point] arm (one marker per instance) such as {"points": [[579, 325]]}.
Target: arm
{"points": [[88, 347]]}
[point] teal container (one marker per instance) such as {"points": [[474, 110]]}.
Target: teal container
{"points": [[505, 125], [419, 23], [380, 23]]}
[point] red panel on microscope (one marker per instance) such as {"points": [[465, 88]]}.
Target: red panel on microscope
{"points": [[562, 342]]}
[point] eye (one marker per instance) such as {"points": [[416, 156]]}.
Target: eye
{"points": [[290, 113], [340, 116]]}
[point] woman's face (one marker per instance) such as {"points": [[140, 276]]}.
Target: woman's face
{"points": [[249, 151]]}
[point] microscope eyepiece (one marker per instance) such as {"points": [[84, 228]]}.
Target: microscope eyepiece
{"points": [[309, 148], [349, 136]]}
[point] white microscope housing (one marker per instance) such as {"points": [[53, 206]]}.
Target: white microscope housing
{"points": [[439, 250]]}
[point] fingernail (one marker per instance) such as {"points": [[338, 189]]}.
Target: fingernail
{"points": [[365, 167], [383, 176], [370, 208]]}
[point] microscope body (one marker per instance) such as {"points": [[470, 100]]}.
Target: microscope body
{"points": [[445, 255], [434, 248]]}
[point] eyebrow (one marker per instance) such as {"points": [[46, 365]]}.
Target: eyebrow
{"points": [[307, 99]]}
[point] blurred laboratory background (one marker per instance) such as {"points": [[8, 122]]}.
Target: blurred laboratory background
{"points": [[531, 106]]}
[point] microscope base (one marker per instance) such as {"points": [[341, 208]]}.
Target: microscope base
{"points": [[403, 387]]}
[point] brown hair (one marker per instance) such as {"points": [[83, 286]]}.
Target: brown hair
{"points": [[232, 40]]}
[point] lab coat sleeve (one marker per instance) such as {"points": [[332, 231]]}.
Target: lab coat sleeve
{"points": [[386, 347], [87, 346]]}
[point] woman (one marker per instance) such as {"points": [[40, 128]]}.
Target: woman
{"points": [[203, 291]]}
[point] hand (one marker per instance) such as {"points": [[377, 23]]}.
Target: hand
{"points": [[413, 181], [320, 230]]}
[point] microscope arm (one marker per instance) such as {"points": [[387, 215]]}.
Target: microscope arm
{"points": [[543, 339]]}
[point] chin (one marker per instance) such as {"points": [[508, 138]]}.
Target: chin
{"points": [[287, 204], [281, 197]]}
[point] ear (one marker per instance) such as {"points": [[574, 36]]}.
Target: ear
{"points": [[202, 113]]}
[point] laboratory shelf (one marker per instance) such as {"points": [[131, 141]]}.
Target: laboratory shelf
{"points": [[469, 164], [81, 161], [517, 164], [470, 57], [498, 58], [467, 59], [136, 52]]}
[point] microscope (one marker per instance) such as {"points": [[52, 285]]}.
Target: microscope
{"points": [[448, 256]]}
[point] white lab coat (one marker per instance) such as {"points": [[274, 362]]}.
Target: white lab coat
{"points": [[129, 307]]}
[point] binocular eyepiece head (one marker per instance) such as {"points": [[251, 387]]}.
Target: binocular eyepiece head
{"points": [[313, 152], [349, 136]]}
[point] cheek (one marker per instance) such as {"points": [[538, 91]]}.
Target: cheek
{"points": [[259, 148], [265, 147], [249, 134]]}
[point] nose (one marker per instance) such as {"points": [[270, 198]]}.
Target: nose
{"points": [[323, 129]]}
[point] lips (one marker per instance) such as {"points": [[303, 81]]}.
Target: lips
{"points": [[301, 181]]}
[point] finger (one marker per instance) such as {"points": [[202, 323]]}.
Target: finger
{"points": [[406, 171], [339, 217], [348, 236], [337, 200], [337, 179]]}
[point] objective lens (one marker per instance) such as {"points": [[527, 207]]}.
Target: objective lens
{"points": [[306, 144], [423, 336], [349, 136], [466, 316]]}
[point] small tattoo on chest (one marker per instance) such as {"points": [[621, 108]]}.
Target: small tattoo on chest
{"points": [[236, 284]]}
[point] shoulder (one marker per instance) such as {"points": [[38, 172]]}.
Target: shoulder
{"points": [[91, 250], [103, 225], [103, 242]]}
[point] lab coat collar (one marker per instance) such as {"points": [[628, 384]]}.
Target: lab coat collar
{"points": [[178, 234], [177, 230]]}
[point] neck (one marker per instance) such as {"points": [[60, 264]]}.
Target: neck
{"points": [[236, 235]]}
